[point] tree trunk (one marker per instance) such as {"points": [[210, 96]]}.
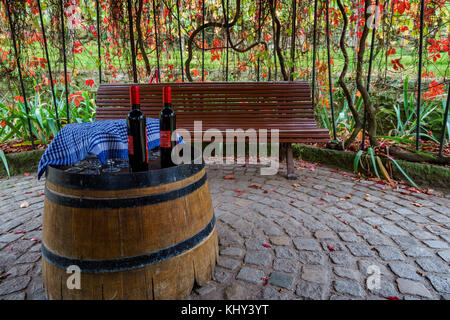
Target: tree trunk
{"points": [[348, 96]]}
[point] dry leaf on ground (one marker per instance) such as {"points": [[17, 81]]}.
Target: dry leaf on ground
{"points": [[25, 204]]}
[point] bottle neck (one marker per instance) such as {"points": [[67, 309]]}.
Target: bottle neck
{"points": [[168, 105], [135, 106], [167, 95]]}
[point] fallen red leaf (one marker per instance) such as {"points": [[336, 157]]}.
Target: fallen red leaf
{"points": [[3, 195], [26, 174], [266, 245], [331, 248], [265, 191], [229, 177], [254, 186], [39, 195], [292, 201], [266, 280], [238, 192], [18, 232], [28, 192], [392, 298]]}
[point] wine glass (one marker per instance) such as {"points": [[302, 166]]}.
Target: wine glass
{"points": [[110, 166], [121, 163]]}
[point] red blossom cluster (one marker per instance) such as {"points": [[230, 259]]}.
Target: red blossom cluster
{"points": [[434, 89]]}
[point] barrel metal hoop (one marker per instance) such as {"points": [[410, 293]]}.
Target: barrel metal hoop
{"points": [[131, 263], [104, 203], [113, 182]]}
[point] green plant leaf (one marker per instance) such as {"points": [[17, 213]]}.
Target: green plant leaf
{"points": [[356, 161], [403, 172], [52, 124], [5, 162], [374, 163]]}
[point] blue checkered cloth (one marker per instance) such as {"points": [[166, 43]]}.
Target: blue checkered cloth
{"points": [[106, 139]]}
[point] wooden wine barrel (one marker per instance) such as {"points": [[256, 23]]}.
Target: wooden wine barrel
{"points": [[146, 235]]}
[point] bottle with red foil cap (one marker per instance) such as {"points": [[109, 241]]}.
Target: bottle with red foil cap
{"points": [[167, 126], [137, 134]]}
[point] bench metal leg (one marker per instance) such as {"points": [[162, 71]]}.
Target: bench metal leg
{"points": [[282, 152], [290, 162]]}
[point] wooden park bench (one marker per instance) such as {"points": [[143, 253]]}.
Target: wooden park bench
{"points": [[285, 106]]}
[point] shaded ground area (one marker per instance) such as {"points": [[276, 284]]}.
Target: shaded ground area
{"points": [[320, 237]]}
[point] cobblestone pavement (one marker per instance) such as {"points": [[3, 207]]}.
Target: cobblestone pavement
{"points": [[325, 236]]}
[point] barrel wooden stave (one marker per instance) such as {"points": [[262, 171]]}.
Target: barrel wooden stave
{"points": [[105, 234]]}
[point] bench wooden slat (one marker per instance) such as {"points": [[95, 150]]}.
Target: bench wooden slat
{"points": [[240, 106], [285, 106], [231, 113]]}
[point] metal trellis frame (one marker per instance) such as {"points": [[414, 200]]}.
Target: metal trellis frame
{"points": [[156, 41], [228, 41], [133, 50], [444, 123], [419, 73], [369, 72], [97, 8], [294, 18], [203, 40], [19, 67], [259, 38], [63, 37], [44, 38], [313, 84], [330, 81], [180, 39]]}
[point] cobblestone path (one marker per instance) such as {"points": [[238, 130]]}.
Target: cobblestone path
{"points": [[327, 235]]}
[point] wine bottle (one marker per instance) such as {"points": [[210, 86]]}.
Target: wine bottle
{"points": [[137, 134], [167, 126]]}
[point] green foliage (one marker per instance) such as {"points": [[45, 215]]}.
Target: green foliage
{"points": [[42, 116], [405, 119], [359, 157]]}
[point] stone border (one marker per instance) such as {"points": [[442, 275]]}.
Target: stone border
{"points": [[422, 174], [21, 162]]}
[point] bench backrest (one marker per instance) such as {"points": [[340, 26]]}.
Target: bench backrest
{"points": [[226, 102]]}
